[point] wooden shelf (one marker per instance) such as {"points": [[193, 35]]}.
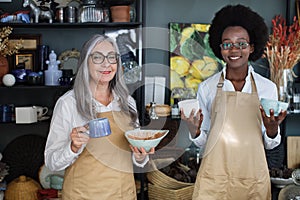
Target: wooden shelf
{"points": [[73, 25]]}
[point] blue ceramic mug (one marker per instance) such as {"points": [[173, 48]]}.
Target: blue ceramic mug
{"points": [[98, 128]]}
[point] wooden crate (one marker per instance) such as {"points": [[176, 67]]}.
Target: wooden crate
{"points": [[293, 151]]}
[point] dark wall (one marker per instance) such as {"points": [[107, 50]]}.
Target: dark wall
{"points": [[158, 14]]}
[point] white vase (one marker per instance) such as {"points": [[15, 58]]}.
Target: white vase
{"points": [[286, 85]]}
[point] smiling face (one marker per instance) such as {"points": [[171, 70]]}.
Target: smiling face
{"points": [[236, 57], [104, 72]]}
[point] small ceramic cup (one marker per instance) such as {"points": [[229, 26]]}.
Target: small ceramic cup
{"points": [[277, 106], [188, 105], [99, 127], [41, 111]]}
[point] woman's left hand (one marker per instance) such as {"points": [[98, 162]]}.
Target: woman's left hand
{"points": [[140, 154], [271, 123]]}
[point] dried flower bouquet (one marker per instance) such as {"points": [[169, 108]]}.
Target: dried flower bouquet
{"points": [[283, 48], [7, 48]]}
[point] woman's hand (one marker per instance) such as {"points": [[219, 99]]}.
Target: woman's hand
{"points": [[140, 154], [193, 121], [271, 123], [78, 138]]}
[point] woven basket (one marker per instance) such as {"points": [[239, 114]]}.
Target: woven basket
{"points": [[22, 188], [159, 193], [158, 178], [161, 186]]}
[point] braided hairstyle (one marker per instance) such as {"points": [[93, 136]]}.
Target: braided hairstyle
{"points": [[239, 15]]}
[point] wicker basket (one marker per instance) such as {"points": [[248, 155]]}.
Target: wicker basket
{"points": [[22, 188], [161, 186], [159, 193], [160, 179]]}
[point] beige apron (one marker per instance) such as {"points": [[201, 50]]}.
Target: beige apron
{"points": [[234, 166], [104, 169]]}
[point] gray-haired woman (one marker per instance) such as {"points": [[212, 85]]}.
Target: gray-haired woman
{"points": [[96, 168]]}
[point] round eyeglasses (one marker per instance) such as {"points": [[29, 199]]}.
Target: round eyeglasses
{"points": [[230, 45], [98, 58]]}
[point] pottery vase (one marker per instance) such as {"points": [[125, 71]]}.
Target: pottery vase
{"points": [[4, 67], [120, 13]]}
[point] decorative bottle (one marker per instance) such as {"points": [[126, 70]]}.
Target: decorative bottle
{"points": [[175, 110], [52, 74]]}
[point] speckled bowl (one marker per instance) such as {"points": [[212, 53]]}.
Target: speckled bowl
{"points": [[277, 106], [145, 138]]}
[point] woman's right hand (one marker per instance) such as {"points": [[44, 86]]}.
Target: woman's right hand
{"points": [[193, 122], [78, 138]]}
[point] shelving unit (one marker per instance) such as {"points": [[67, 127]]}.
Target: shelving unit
{"points": [[61, 37]]}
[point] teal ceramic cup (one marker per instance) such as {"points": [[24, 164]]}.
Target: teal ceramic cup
{"points": [[277, 106], [99, 127]]}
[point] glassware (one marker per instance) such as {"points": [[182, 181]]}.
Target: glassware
{"points": [[132, 72], [152, 111], [296, 176], [296, 102], [90, 11], [175, 110]]}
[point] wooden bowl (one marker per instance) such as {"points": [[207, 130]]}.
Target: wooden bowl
{"points": [[162, 110]]}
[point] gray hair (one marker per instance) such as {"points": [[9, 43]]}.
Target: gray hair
{"points": [[83, 94]]}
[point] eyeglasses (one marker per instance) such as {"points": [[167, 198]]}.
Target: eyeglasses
{"points": [[238, 45], [98, 57]]}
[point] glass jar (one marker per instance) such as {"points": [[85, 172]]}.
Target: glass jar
{"points": [[132, 72], [90, 11], [296, 102]]}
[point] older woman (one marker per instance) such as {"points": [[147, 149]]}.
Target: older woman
{"points": [[96, 168]]}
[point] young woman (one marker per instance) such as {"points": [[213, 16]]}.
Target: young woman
{"points": [[96, 168], [231, 125]]}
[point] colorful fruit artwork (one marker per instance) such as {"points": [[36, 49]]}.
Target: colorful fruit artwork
{"points": [[191, 59]]}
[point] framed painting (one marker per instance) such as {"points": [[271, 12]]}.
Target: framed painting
{"points": [[28, 53], [191, 59], [30, 42], [27, 59]]}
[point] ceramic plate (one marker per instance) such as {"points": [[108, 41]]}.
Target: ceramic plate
{"points": [[281, 182], [69, 59]]}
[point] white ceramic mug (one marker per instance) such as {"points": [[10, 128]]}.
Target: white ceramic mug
{"points": [[40, 111]]}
